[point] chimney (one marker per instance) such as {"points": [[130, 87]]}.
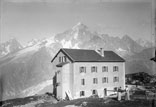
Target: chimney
{"points": [[101, 52]]}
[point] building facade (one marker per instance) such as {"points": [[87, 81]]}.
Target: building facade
{"points": [[83, 73]]}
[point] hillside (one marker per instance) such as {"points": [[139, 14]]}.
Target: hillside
{"points": [[140, 62], [48, 101], [141, 78]]}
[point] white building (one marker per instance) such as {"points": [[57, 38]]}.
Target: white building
{"points": [[82, 73]]}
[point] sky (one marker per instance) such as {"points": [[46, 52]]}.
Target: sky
{"points": [[29, 19]]}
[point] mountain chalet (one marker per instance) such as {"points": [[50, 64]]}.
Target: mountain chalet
{"points": [[83, 73]]}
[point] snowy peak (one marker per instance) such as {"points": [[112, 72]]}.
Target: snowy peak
{"points": [[126, 38], [15, 45], [41, 43], [32, 42], [75, 36], [80, 26], [10, 46], [14, 42]]}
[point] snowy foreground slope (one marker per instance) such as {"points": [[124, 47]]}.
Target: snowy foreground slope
{"points": [[27, 70]]}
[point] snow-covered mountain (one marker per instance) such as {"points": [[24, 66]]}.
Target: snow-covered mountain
{"points": [[9, 47], [32, 42], [25, 70]]}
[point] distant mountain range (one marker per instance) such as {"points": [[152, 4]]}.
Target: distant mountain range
{"points": [[27, 70]]}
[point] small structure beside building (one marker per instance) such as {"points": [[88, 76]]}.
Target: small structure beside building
{"points": [[83, 73]]}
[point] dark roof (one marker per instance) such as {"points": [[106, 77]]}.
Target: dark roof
{"points": [[83, 55]]}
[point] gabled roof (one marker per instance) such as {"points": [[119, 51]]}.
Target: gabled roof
{"points": [[83, 55]]}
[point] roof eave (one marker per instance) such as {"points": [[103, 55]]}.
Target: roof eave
{"points": [[55, 56], [61, 50]]}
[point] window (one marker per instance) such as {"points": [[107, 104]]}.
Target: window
{"points": [[115, 68], [93, 69], [82, 81], [116, 79], [65, 59], [82, 69], [105, 69], [82, 93], [59, 59], [105, 80], [95, 81], [62, 59], [94, 92]]}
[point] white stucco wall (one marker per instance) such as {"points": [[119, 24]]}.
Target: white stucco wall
{"points": [[59, 75], [88, 76], [66, 80]]}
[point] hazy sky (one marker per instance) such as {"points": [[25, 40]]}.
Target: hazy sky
{"points": [[28, 19]]}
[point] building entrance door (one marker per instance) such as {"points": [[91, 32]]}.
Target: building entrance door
{"points": [[105, 91]]}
